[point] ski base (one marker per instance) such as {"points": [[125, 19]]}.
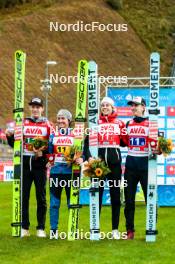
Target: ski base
{"points": [[151, 211], [74, 204], [94, 210], [20, 58]]}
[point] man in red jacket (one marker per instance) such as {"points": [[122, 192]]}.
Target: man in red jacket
{"points": [[34, 165], [136, 167]]}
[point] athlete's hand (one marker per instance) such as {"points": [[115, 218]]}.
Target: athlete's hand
{"points": [[79, 161], [48, 165], [90, 159], [38, 152], [9, 133]]}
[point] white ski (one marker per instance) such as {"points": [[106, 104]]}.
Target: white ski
{"points": [[152, 163]]}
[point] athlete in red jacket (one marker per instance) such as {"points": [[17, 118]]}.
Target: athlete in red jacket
{"points": [[136, 167], [111, 135]]}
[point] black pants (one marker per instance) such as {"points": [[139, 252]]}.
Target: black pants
{"points": [[34, 171], [114, 187], [133, 177]]}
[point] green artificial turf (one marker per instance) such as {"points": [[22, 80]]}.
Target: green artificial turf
{"points": [[38, 250]]}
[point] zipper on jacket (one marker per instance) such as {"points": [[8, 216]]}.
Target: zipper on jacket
{"points": [[30, 163], [117, 154], [106, 155]]}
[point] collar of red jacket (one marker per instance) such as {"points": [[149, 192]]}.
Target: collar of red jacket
{"points": [[108, 118]]}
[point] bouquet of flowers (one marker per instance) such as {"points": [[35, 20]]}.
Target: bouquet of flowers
{"points": [[72, 153], [39, 143], [165, 146], [96, 168]]}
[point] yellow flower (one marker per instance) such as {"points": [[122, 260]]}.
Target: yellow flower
{"points": [[67, 152], [98, 172], [30, 147]]}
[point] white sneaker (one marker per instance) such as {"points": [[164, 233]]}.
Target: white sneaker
{"points": [[25, 232], [115, 234], [53, 234], [41, 233]]}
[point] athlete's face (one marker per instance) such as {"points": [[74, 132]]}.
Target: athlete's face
{"points": [[106, 109], [63, 122], [36, 111], [137, 110]]}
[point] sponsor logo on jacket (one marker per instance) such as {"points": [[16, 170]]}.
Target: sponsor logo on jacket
{"points": [[137, 131], [63, 141], [35, 131]]}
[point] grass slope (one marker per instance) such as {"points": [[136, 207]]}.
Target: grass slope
{"points": [[34, 250], [154, 22], [150, 27], [27, 27]]}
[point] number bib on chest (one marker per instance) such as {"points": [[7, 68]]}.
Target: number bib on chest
{"points": [[61, 145], [138, 140], [108, 135]]}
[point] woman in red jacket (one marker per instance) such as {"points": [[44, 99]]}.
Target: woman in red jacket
{"points": [[111, 135]]}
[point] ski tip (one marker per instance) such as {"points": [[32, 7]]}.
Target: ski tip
{"points": [[19, 53], [155, 54], [83, 61], [91, 62]]}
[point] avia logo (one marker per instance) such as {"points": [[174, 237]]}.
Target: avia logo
{"points": [[64, 141], [33, 131], [137, 131]]}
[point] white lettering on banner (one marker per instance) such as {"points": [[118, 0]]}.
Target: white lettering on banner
{"points": [[8, 173], [160, 170], [137, 131], [170, 159], [160, 159], [160, 180], [161, 122], [171, 134], [63, 141], [6, 170], [35, 131], [170, 123], [162, 110], [170, 180]]}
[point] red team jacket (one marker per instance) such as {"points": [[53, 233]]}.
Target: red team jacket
{"points": [[138, 138], [111, 134]]}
